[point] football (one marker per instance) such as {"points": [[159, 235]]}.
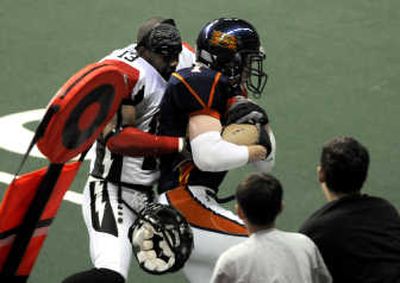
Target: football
{"points": [[241, 134]]}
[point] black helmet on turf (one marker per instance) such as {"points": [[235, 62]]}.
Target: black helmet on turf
{"points": [[161, 238], [232, 46]]}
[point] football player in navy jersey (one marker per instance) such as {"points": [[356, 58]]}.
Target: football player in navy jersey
{"points": [[196, 104], [124, 171]]}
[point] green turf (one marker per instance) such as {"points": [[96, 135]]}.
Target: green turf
{"points": [[333, 66]]}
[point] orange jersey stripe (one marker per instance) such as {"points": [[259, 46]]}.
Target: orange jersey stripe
{"points": [[211, 98], [185, 173], [202, 217], [191, 90], [206, 108]]}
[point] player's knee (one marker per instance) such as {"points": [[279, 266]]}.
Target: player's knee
{"points": [[101, 275]]}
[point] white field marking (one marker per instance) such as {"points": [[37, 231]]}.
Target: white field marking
{"points": [[16, 137], [73, 197], [70, 196], [6, 178]]}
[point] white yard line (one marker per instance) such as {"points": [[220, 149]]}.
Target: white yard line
{"points": [[70, 196]]}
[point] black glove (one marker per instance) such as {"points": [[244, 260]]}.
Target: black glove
{"points": [[245, 111], [264, 139]]}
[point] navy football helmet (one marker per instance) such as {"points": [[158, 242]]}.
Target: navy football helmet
{"points": [[232, 46]]}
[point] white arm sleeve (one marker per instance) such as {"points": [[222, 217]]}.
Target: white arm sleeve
{"points": [[266, 165], [212, 153]]}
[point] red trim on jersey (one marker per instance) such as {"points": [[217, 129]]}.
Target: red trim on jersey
{"points": [[235, 99], [201, 216], [134, 142], [188, 46], [231, 101], [207, 111]]}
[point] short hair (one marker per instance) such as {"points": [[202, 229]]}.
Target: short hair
{"points": [[344, 162], [160, 36], [149, 24], [260, 198]]}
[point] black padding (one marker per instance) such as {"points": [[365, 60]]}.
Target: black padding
{"points": [[72, 135]]}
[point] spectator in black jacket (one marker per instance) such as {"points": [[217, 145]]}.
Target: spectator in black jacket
{"points": [[358, 235]]}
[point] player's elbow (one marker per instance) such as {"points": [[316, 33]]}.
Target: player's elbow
{"points": [[205, 157]]}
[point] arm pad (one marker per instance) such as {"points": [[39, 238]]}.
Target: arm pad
{"points": [[212, 153], [134, 142]]}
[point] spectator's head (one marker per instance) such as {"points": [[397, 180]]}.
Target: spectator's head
{"points": [[343, 165], [259, 199], [159, 42]]}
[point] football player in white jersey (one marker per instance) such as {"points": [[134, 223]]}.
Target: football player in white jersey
{"points": [[120, 182]]}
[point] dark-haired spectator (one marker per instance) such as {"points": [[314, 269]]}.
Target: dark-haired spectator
{"points": [[269, 255], [358, 235]]}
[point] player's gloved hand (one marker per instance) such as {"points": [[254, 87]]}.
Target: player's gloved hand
{"points": [[264, 139], [245, 111]]}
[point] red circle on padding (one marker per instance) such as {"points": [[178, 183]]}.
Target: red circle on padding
{"points": [[82, 108], [88, 116]]}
